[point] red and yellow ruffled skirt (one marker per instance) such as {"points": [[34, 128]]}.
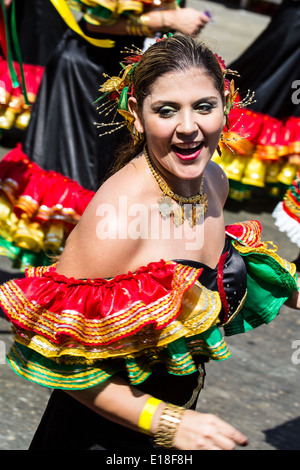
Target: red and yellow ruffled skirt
{"points": [[14, 111], [259, 151], [38, 209]]}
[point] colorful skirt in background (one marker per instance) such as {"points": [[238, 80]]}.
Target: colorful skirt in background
{"points": [[259, 152], [269, 159], [287, 212]]}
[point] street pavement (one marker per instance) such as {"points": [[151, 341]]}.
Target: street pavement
{"points": [[257, 389]]}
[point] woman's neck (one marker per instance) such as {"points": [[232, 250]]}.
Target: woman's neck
{"points": [[182, 187]]}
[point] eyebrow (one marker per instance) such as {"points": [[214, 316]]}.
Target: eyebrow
{"points": [[174, 103]]}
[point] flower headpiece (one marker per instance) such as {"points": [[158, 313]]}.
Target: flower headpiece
{"points": [[118, 89]]}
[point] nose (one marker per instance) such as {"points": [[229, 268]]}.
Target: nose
{"points": [[187, 123]]}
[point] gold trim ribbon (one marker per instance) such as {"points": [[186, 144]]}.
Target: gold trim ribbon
{"points": [[66, 14]]}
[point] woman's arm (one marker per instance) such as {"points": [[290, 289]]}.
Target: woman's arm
{"points": [[184, 20], [123, 404]]}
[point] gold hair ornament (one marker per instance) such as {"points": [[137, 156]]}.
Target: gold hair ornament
{"points": [[191, 208], [232, 102], [116, 90]]}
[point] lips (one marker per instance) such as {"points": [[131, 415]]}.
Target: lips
{"points": [[188, 151]]}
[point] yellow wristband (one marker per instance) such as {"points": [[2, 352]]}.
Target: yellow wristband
{"points": [[147, 413]]}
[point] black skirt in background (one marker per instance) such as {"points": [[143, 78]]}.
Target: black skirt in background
{"points": [[62, 135], [39, 28], [272, 63]]}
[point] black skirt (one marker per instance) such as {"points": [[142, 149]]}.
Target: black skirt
{"points": [[69, 425], [272, 63], [62, 135], [39, 28]]}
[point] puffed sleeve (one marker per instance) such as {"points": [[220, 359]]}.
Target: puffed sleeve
{"points": [[270, 278]]}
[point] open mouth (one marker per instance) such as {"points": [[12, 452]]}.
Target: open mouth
{"points": [[187, 151]]}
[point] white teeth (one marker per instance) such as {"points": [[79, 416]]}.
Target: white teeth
{"points": [[188, 146]]}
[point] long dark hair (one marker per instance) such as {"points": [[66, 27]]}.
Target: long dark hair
{"points": [[175, 53]]}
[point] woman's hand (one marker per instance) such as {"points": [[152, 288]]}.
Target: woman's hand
{"points": [[201, 431], [185, 20]]}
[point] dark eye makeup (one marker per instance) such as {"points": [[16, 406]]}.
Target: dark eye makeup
{"points": [[203, 106]]}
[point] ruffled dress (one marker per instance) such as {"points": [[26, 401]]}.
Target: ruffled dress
{"points": [[155, 327], [265, 162], [287, 212]]}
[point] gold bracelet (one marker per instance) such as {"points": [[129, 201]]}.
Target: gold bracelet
{"points": [[147, 414], [138, 26], [168, 425], [144, 20]]}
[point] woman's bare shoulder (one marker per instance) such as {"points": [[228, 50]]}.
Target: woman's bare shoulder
{"points": [[100, 245]]}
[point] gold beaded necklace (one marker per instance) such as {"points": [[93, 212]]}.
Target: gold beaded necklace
{"points": [[190, 208]]}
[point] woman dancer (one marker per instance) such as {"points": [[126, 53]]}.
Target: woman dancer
{"points": [[123, 324]]}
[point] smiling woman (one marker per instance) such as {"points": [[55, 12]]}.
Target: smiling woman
{"points": [[122, 326], [183, 130]]}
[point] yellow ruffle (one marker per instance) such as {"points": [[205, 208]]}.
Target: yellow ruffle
{"points": [[200, 311]]}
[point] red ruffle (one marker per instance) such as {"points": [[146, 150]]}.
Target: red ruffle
{"points": [[32, 74], [38, 194], [248, 233], [246, 123], [100, 311], [266, 132]]}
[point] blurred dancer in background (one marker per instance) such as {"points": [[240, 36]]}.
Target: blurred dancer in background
{"points": [[62, 135], [271, 125], [62, 160]]}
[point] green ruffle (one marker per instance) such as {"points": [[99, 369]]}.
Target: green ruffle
{"points": [[269, 285], [67, 373], [101, 13], [38, 369], [98, 12]]}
